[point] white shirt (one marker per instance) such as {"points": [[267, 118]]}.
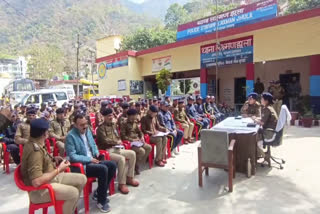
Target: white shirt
{"points": [[86, 144]]}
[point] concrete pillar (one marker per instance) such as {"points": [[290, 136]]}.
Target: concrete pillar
{"points": [[315, 83], [203, 82], [250, 78]]}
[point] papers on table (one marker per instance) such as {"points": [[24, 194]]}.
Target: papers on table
{"points": [[137, 143], [161, 134], [233, 125]]}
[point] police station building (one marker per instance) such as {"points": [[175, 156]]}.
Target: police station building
{"points": [[252, 42]]}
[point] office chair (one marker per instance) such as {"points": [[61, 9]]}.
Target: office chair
{"points": [[276, 139]]}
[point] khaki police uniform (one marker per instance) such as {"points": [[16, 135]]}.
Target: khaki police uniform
{"points": [[107, 138], [278, 93], [67, 186], [22, 133], [150, 126], [59, 130], [130, 131], [269, 118], [181, 116], [121, 119], [251, 110]]}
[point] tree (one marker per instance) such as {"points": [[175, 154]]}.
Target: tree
{"points": [[147, 38], [163, 80], [46, 61], [175, 16], [299, 5]]}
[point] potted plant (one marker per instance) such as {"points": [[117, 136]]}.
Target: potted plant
{"points": [[149, 94], [163, 80], [307, 119]]}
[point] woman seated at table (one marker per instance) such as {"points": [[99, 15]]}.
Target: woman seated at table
{"points": [[251, 107], [269, 119]]}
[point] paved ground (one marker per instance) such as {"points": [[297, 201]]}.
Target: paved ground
{"points": [[174, 189]]}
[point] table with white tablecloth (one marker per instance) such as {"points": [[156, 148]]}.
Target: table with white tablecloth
{"points": [[246, 140]]}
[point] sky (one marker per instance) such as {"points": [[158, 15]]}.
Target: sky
{"points": [[137, 1]]}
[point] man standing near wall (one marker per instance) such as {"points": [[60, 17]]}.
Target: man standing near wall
{"points": [[258, 87], [294, 90], [278, 92]]}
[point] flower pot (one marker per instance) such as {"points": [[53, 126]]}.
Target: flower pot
{"points": [[294, 115], [316, 122], [307, 122], [300, 122]]}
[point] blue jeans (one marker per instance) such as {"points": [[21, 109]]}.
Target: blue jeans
{"points": [[104, 171], [14, 152]]}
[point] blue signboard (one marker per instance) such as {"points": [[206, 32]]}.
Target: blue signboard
{"points": [[248, 14], [237, 51]]}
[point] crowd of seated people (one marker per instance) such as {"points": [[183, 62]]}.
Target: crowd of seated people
{"points": [[127, 130]]}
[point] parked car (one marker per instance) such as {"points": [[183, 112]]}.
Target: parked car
{"points": [[46, 95]]}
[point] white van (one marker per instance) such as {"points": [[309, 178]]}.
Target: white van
{"points": [[68, 88], [46, 95]]}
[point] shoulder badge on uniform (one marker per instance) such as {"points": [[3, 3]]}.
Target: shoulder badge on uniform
{"points": [[36, 147]]}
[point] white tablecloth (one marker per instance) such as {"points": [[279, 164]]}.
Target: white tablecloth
{"points": [[238, 126]]}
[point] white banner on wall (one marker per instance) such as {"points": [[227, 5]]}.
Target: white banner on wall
{"points": [[122, 85], [160, 63]]}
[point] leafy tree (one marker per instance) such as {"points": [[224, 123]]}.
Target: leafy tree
{"points": [[46, 61], [147, 38], [175, 16], [163, 80], [299, 5]]}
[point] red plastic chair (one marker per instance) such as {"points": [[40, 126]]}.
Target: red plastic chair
{"points": [[151, 155], [87, 190], [33, 207], [52, 141], [48, 145], [6, 157], [169, 142]]}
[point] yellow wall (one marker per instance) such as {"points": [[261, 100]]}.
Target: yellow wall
{"points": [[296, 39], [182, 59], [107, 45], [273, 45], [109, 85]]}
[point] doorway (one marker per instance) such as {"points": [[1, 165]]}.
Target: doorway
{"points": [[285, 79], [239, 92]]}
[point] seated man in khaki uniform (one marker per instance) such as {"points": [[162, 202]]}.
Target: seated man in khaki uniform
{"points": [[130, 131], [251, 107], [150, 125], [59, 129], [123, 116], [109, 139], [180, 115], [23, 129], [38, 168]]}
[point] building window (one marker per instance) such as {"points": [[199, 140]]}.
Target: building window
{"points": [[61, 96], [33, 99]]}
